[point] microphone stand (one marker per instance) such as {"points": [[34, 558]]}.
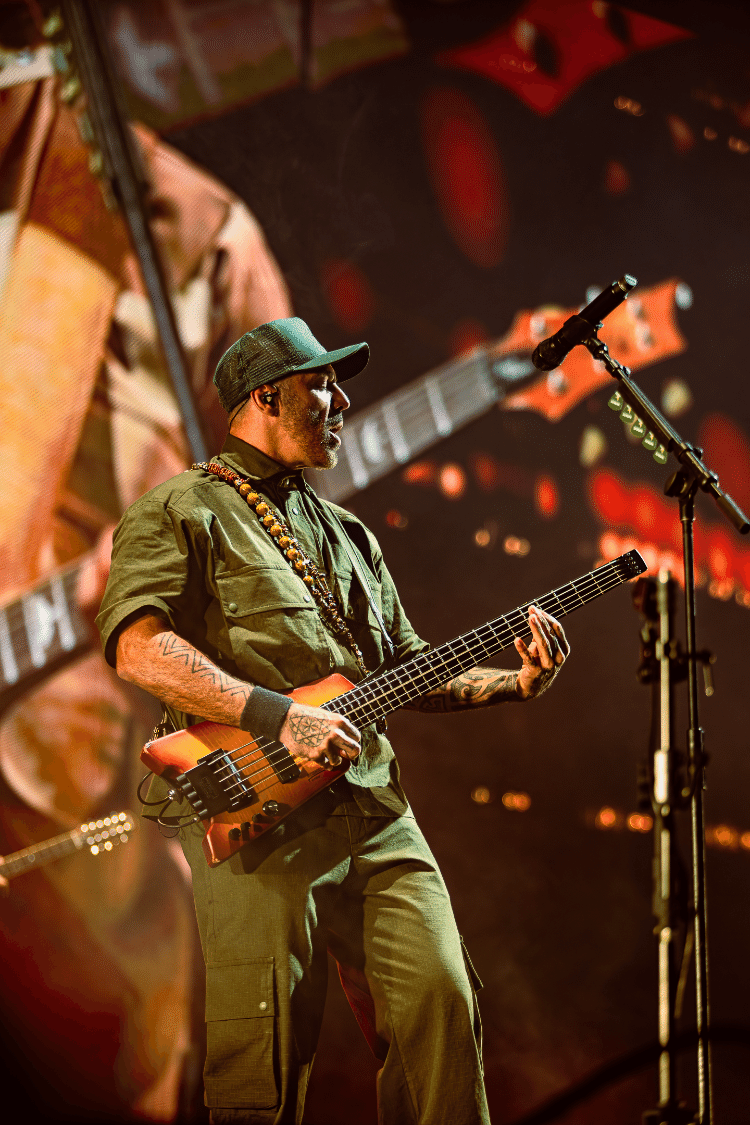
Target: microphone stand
{"points": [[660, 438]]}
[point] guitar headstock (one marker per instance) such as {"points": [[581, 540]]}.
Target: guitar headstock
{"points": [[629, 565], [105, 834]]}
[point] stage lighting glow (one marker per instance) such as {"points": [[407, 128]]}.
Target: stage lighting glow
{"points": [[420, 472], [724, 836], [397, 519], [512, 545], [709, 133], [546, 496], [482, 795], [452, 481], [606, 818], [518, 802], [676, 398], [482, 537], [629, 105], [639, 823], [738, 145]]}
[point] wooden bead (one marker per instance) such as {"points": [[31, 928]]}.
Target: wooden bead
{"points": [[291, 553], [262, 508], [275, 529], [268, 519], [309, 580], [252, 497], [284, 541], [300, 565], [244, 488]]}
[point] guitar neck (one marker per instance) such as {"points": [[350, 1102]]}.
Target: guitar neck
{"points": [[374, 698], [39, 854], [393, 431], [39, 632], [97, 836]]}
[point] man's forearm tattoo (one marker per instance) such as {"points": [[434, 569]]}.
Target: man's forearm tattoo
{"points": [[476, 688], [308, 730], [199, 665]]}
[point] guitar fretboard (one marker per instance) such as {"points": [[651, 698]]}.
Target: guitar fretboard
{"points": [[39, 629], [379, 696], [393, 431]]}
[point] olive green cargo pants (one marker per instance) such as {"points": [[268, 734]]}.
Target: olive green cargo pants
{"points": [[369, 890]]}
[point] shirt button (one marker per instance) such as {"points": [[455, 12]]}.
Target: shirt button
{"points": [[295, 511], [306, 597], [232, 607], [263, 1005]]}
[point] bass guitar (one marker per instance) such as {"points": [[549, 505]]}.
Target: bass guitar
{"points": [[242, 786]]}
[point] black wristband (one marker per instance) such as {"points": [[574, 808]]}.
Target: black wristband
{"points": [[265, 712]]}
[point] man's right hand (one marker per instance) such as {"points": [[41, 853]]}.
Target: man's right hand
{"points": [[320, 736]]}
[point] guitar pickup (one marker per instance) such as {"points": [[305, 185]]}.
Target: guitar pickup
{"points": [[283, 764], [214, 785]]}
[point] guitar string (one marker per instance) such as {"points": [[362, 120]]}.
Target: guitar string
{"points": [[611, 580], [411, 408], [269, 780], [400, 682], [398, 674]]}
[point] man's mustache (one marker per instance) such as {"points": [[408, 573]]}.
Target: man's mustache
{"points": [[335, 420]]}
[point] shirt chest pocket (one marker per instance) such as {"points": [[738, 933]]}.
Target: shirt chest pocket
{"points": [[273, 627]]}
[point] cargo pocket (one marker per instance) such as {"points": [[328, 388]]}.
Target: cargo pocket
{"points": [[240, 1029], [476, 984]]}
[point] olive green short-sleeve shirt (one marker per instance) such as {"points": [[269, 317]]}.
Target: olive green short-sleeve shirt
{"points": [[192, 551]]}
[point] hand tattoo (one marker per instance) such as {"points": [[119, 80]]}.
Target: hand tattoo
{"points": [[308, 730]]}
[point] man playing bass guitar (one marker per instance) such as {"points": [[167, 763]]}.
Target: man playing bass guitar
{"points": [[222, 599]]}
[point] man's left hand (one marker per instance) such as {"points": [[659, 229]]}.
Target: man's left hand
{"points": [[543, 657]]}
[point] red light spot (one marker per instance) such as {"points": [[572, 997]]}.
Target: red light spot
{"points": [[466, 174], [452, 481], [616, 178], [486, 470], [421, 472], [727, 451], [546, 496], [466, 335], [349, 294], [720, 554], [394, 518], [682, 135]]}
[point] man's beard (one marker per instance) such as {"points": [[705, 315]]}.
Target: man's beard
{"points": [[313, 430]]}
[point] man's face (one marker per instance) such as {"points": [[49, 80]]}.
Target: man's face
{"points": [[311, 406]]}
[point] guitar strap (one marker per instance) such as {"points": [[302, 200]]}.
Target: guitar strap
{"points": [[389, 648]]}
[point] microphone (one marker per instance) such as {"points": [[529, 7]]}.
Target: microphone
{"points": [[552, 351]]}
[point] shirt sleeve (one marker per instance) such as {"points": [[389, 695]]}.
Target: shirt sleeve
{"points": [[155, 568]]}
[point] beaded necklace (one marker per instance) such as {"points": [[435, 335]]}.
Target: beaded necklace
{"points": [[281, 534]]}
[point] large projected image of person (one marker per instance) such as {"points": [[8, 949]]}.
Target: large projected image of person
{"points": [[91, 423]]}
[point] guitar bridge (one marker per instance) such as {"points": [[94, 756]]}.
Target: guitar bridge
{"points": [[210, 794]]}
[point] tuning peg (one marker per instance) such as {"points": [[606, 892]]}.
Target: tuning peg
{"points": [[660, 455], [638, 428], [649, 442], [616, 402], [627, 414]]}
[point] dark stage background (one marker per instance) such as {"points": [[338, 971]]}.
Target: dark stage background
{"points": [[427, 172]]}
